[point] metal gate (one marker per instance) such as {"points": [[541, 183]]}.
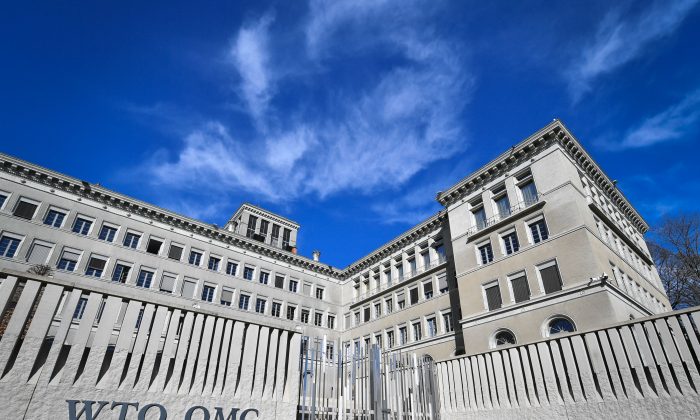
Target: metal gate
{"points": [[365, 383]]}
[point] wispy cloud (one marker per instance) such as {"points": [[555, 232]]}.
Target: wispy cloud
{"points": [[366, 137], [673, 123], [620, 39]]}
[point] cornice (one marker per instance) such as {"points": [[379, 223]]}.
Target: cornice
{"points": [[264, 213], [108, 198]]}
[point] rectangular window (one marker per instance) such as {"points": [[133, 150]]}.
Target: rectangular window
{"points": [[440, 251], [39, 253], [25, 209], [417, 331], [319, 293], [521, 290], [413, 295], [260, 305], [529, 192], [401, 300], [231, 268], [413, 267], [154, 246], [82, 226], [107, 233], [275, 236], [226, 297], [306, 290], [442, 283], [510, 243], [331, 321], [378, 339], [188, 288], [486, 253], [390, 338], [248, 273], [305, 316], [145, 279], [80, 308], [3, 198], [264, 224], [276, 309], [399, 272], [428, 289], [318, 319], [502, 206], [68, 260], [377, 310], [432, 326], [95, 267], [493, 297], [208, 293], [279, 282], [175, 252], [54, 218], [447, 320], [214, 263], [479, 217], [120, 273], [131, 240], [293, 285], [426, 259], [539, 231], [291, 312], [389, 305], [252, 222], [243, 302], [167, 283], [366, 313], [551, 280], [286, 238], [403, 335], [264, 277], [195, 258]]}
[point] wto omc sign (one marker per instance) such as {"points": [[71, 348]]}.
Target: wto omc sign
{"points": [[91, 410]]}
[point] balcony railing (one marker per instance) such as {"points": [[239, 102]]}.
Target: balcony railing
{"points": [[397, 280], [514, 209]]}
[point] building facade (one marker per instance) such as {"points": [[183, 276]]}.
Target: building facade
{"points": [[537, 242]]}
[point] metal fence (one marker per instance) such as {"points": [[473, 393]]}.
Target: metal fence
{"points": [[337, 383]]}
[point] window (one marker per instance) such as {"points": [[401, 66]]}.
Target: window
{"points": [[442, 283], [403, 336], [208, 293], [167, 283], [551, 280], [387, 277], [291, 312], [68, 260], [3, 198], [154, 246], [231, 268], [331, 321], [95, 267], [243, 302], [293, 284], [226, 296], [538, 230], [252, 222], [366, 313], [80, 308], [413, 268], [318, 319], [145, 278], [195, 257], [479, 216], [306, 290], [493, 296], [560, 325], [175, 252], [305, 316], [401, 300], [120, 273], [399, 272], [248, 273], [82, 226], [390, 338], [264, 277], [275, 236], [503, 338], [529, 192], [425, 256], [131, 240], [357, 318], [520, 288], [389, 305], [279, 282], [486, 253], [214, 263], [264, 224], [188, 288], [276, 309], [413, 295], [107, 233], [502, 205], [428, 289], [319, 293], [510, 243], [447, 320], [39, 253], [440, 251], [54, 218], [417, 331], [432, 326], [25, 209], [286, 238]]}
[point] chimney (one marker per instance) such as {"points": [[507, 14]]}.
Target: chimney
{"points": [[316, 254]]}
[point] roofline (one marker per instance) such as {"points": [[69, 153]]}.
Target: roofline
{"points": [[281, 219]]}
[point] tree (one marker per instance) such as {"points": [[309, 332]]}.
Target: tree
{"points": [[676, 253]]}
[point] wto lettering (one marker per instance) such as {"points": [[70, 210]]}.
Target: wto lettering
{"points": [[90, 410]]}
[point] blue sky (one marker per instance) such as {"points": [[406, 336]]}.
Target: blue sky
{"points": [[347, 116]]}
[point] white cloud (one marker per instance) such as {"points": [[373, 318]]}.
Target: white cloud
{"points": [[670, 124], [619, 40], [364, 138]]}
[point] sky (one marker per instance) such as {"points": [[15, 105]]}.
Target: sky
{"points": [[347, 116]]}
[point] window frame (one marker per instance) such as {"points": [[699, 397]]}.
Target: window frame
{"points": [[122, 263], [531, 221], [89, 219], [21, 199], [546, 264], [107, 225], [487, 285], [477, 248], [97, 257], [56, 209], [134, 233], [77, 262]]}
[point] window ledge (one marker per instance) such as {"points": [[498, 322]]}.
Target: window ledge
{"points": [[483, 232]]}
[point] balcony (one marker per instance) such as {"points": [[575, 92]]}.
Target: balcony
{"points": [[494, 222]]}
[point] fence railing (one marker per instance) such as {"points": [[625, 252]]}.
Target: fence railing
{"points": [[512, 210]]}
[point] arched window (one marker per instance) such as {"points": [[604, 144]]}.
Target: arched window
{"points": [[560, 324], [502, 337]]}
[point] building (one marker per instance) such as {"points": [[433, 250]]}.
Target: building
{"points": [[537, 242]]}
